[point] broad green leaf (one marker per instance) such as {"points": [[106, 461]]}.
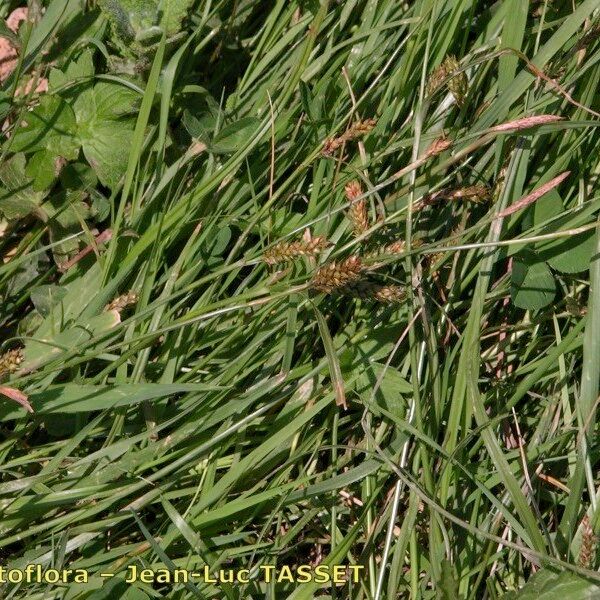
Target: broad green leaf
{"points": [[105, 128], [390, 390], [66, 212], [532, 283], [548, 585], [40, 350], [110, 101], [18, 198], [282, 221], [117, 587], [68, 208], [78, 291], [232, 137], [51, 125], [218, 245], [548, 206], [78, 176], [77, 70], [376, 343], [569, 255], [173, 13], [106, 148], [45, 297], [201, 127], [42, 169]]}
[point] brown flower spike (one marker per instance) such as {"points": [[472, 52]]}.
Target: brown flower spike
{"points": [[458, 84], [472, 193], [10, 361], [587, 550], [367, 290], [438, 146], [357, 213], [123, 302], [287, 251], [336, 275], [357, 130]]}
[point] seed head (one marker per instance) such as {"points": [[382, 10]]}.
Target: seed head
{"points": [[357, 130], [434, 258], [587, 550], [335, 275], [526, 123], [10, 361], [458, 84], [122, 302], [357, 213], [472, 193], [399, 246], [287, 251], [353, 190], [367, 290], [388, 294], [438, 146]]}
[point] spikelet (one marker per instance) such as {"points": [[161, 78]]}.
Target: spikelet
{"points": [[367, 290], [10, 361], [458, 84], [353, 190], [397, 247], [436, 79], [434, 258], [361, 128], [287, 251], [472, 193], [336, 275], [526, 123], [122, 302], [438, 146], [587, 550], [357, 130], [357, 213]]}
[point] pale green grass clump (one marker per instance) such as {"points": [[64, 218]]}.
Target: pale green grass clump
{"points": [[331, 319]]}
